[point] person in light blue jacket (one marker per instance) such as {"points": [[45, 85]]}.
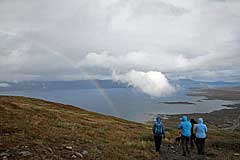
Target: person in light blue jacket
{"points": [[201, 130], [185, 127]]}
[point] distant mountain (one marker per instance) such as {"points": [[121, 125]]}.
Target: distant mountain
{"points": [[92, 84], [53, 85], [188, 83]]}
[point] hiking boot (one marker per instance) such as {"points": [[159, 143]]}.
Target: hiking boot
{"points": [[160, 151]]}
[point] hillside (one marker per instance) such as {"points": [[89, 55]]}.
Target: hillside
{"points": [[38, 129]]}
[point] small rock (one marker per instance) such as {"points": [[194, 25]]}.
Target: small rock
{"points": [[73, 156], [4, 154], [5, 158], [25, 153], [167, 140], [236, 154], [49, 149], [55, 157], [84, 152], [69, 148], [173, 151], [172, 147], [79, 154]]}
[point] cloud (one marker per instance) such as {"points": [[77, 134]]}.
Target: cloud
{"points": [[4, 85], [135, 60], [152, 83], [167, 63], [68, 40], [22, 60]]}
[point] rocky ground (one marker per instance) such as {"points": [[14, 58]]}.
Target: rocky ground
{"points": [[223, 138], [38, 129]]}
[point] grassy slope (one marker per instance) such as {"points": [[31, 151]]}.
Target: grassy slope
{"points": [[46, 128], [40, 124]]}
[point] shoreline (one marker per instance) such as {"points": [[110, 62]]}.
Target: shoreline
{"points": [[235, 106], [228, 94]]}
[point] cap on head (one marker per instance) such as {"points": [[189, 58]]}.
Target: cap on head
{"points": [[184, 118], [158, 119], [193, 120], [200, 120]]}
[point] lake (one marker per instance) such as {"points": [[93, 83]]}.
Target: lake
{"points": [[125, 103]]}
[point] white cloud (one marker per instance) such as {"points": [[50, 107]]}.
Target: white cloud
{"points": [[152, 83], [162, 62], [4, 85], [135, 60]]}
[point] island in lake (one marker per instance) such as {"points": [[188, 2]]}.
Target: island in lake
{"points": [[178, 102]]}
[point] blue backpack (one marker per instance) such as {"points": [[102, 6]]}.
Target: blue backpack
{"points": [[158, 129]]}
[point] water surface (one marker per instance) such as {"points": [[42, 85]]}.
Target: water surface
{"points": [[125, 103]]}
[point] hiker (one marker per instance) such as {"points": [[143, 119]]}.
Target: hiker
{"points": [[200, 130], [158, 132], [178, 138], [185, 127], [193, 134]]}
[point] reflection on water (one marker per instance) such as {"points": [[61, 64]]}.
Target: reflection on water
{"points": [[125, 102]]}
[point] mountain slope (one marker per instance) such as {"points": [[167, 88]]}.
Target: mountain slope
{"points": [[37, 129], [41, 125]]}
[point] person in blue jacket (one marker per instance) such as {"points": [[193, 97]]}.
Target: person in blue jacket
{"points": [[201, 130], [158, 130], [185, 127]]}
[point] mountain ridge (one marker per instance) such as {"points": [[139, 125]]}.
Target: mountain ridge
{"points": [[93, 84]]}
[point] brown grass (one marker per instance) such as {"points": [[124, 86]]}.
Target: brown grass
{"points": [[39, 124], [46, 128]]}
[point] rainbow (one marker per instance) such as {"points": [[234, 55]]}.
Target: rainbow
{"points": [[105, 95], [93, 80]]}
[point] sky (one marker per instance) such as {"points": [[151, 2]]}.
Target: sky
{"points": [[123, 40]]}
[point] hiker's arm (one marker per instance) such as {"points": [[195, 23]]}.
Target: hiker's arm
{"points": [[206, 129], [163, 131], [153, 128], [195, 128], [180, 126]]}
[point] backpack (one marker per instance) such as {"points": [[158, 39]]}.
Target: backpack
{"points": [[158, 129]]}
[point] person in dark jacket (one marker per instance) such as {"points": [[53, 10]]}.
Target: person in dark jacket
{"points": [[185, 127], [193, 135], [158, 130], [201, 130]]}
